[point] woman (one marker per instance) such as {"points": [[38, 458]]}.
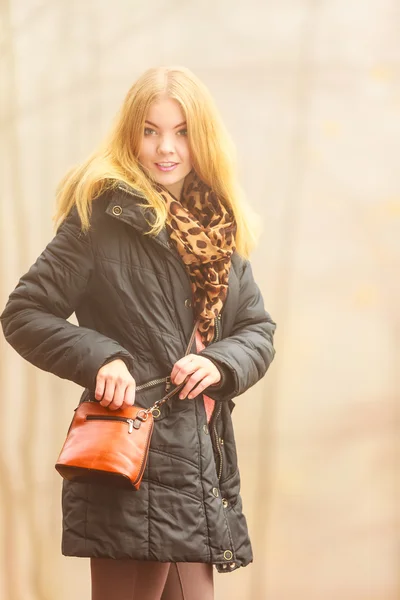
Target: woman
{"points": [[154, 236]]}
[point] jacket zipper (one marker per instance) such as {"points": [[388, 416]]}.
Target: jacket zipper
{"points": [[111, 418], [217, 328], [144, 386], [166, 380]]}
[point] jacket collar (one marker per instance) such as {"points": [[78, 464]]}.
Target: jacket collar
{"points": [[124, 206]]}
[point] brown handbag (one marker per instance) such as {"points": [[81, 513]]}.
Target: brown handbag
{"points": [[110, 447]]}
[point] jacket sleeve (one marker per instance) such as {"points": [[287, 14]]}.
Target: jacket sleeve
{"points": [[34, 319], [245, 355]]}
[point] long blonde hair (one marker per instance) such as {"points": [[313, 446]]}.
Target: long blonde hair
{"points": [[115, 160]]}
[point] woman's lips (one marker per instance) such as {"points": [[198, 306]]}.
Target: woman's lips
{"points": [[166, 166]]}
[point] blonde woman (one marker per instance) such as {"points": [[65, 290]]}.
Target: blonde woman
{"points": [[153, 235]]}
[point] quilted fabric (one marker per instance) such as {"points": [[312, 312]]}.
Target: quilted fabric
{"points": [[132, 298]]}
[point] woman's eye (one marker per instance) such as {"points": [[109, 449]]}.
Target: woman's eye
{"points": [[182, 132], [148, 131]]}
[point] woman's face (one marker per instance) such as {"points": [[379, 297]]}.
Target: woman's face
{"points": [[164, 150]]}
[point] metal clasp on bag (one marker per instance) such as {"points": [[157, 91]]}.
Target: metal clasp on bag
{"points": [[140, 418]]}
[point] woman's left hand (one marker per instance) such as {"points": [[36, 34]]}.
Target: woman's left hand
{"points": [[201, 372]]}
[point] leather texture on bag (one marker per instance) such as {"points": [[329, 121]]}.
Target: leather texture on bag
{"points": [[97, 450]]}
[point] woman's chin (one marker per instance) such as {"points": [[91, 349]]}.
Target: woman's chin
{"points": [[168, 178]]}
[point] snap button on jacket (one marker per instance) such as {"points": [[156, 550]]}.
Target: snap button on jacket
{"points": [[129, 292]]}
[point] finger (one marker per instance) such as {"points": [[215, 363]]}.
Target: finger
{"points": [[186, 371], [180, 364], [108, 392], [192, 382], [185, 374], [207, 381], [130, 392], [100, 387], [119, 394]]}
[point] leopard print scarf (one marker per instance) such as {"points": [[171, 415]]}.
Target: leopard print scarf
{"points": [[203, 232]]}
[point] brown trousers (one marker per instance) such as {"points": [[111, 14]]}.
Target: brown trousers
{"points": [[148, 580]]}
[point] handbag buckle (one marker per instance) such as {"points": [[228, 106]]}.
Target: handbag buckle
{"points": [[140, 418]]}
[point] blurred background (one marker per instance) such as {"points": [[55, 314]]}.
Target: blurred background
{"points": [[310, 91]]}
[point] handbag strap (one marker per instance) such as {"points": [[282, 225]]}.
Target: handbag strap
{"points": [[180, 386]]}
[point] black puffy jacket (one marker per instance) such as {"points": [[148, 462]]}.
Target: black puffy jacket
{"points": [[132, 298]]}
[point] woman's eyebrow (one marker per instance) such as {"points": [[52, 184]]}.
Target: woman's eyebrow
{"points": [[157, 127]]}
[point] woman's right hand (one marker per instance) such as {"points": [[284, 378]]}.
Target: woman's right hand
{"points": [[115, 386]]}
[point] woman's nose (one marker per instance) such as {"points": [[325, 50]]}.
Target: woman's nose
{"points": [[166, 145]]}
